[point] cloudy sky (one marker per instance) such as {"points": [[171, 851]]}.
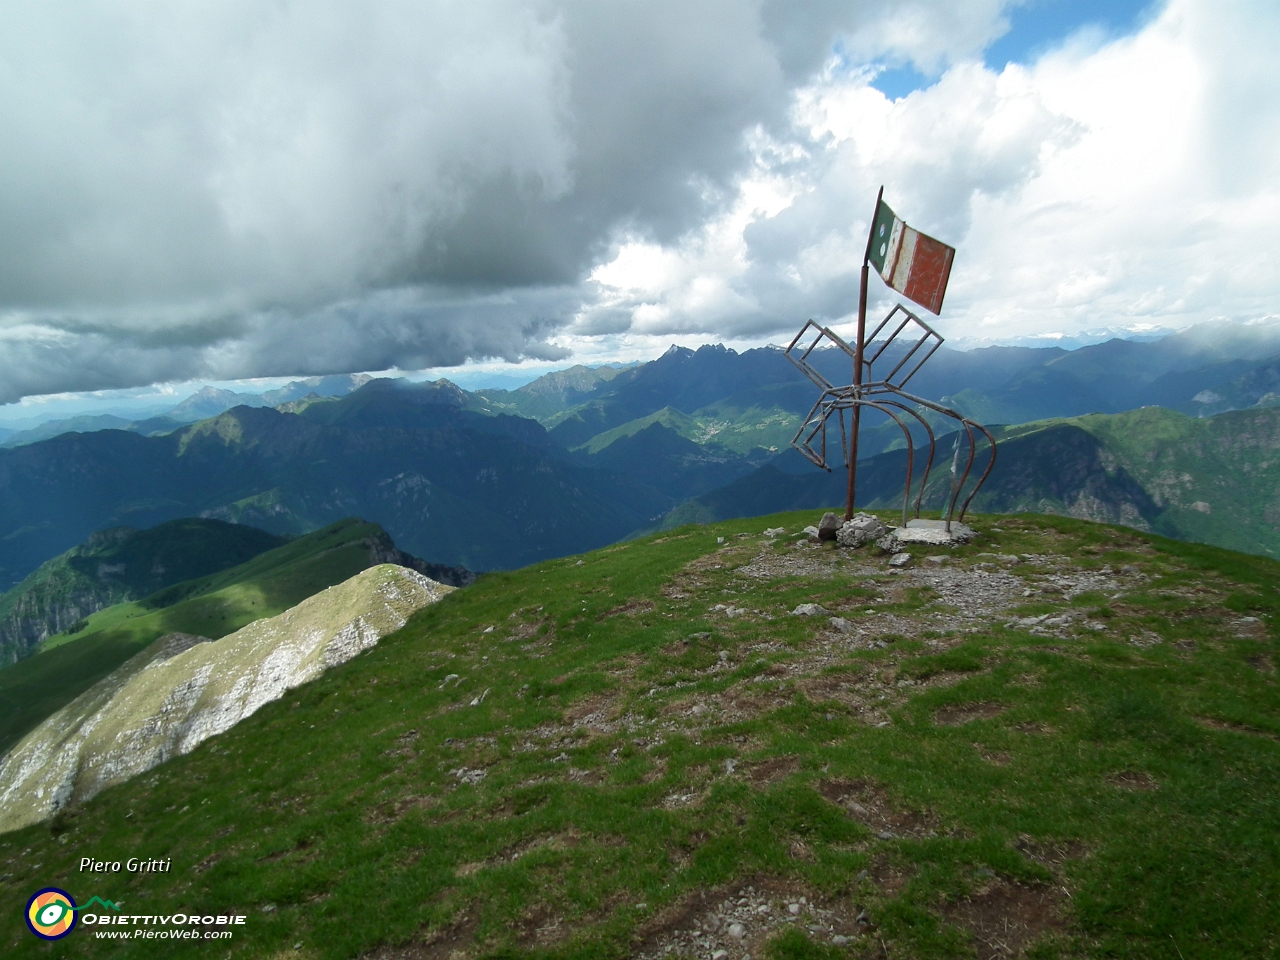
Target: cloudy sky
{"points": [[244, 188]]}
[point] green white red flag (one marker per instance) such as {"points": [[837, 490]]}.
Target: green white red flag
{"points": [[915, 265]]}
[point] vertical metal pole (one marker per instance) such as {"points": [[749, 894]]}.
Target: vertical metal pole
{"points": [[857, 392], [858, 349]]}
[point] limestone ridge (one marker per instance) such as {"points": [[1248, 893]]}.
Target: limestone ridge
{"points": [[182, 690]]}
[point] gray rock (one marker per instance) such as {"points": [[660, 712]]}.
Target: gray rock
{"points": [[828, 525], [775, 531], [737, 931], [899, 559], [935, 531], [889, 543], [842, 625], [811, 531], [810, 610], [863, 528]]}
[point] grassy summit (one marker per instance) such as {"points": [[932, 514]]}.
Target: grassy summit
{"points": [[1059, 741]]}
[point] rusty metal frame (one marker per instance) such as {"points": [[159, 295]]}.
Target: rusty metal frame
{"points": [[885, 395]]}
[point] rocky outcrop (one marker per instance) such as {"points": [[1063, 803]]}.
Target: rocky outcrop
{"points": [[59, 595], [183, 689], [383, 550]]}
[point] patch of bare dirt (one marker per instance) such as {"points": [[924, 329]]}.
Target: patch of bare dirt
{"points": [[1050, 853], [958, 714], [656, 772], [772, 770], [814, 562], [738, 920], [868, 697], [558, 841], [1262, 663], [1040, 728], [300, 848], [1216, 724], [869, 804], [739, 704], [888, 875], [1250, 628], [841, 687], [404, 746], [527, 630], [998, 757], [630, 609], [1133, 780], [593, 711], [393, 810], [207, 862], [539, 925], [457, 941], [1005, 918]]}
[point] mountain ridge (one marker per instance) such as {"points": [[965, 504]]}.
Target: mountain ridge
{"points": [[183, 689], [210, 606]]}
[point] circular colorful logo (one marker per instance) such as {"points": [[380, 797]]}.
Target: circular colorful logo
{"points": [[51, 913]]}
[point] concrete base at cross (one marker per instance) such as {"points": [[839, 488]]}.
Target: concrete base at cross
{"points": [[934, 531]]}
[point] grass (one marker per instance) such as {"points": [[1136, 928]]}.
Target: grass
{"points": [[1108, 791], [211, 606]]}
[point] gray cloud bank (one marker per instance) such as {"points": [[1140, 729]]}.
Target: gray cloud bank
{"points": [[239, 189]]}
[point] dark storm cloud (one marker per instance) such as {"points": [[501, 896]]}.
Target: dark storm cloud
{"points": [[242, 189]]}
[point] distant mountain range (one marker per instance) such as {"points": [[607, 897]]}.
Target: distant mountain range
{"points": [[496, 479], [1214, 480], [204, 403]]}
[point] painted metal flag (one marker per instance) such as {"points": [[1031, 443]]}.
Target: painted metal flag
{"points": [[915, 265]]}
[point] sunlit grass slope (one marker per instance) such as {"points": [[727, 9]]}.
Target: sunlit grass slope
{"points": [[1074, 753], [211, 606]]}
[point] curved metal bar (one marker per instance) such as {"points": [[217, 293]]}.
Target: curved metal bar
{"points": [[959, 485], [969, 424], [985, 473], [911, 450], [924, 480]]}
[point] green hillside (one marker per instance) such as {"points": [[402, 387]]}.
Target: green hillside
{"points": [[116, 565], [1059, 741], [1213, 479], [211, 606]]}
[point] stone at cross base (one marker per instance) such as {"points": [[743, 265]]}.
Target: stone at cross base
{"points": [[863, 528], [829, 525], [934, 531]]}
